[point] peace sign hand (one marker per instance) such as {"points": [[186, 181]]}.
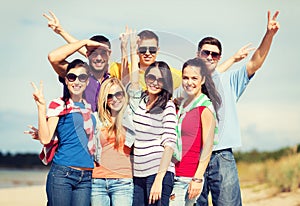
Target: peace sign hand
{"points": [[53, 22], [38, 95], [273, 25]]}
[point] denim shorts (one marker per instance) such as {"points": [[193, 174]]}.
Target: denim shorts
{"points": [[112, 191], [221, 179], [67, 186], [180, 192]]}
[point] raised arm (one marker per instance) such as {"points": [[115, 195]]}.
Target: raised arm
{"points": [[54, 24], [262, 51], [46, 127], [134, 60], [242, 53], [58, 56], [125, 76]]}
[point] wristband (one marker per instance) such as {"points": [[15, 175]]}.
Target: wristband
{"points": [[197, 180]]}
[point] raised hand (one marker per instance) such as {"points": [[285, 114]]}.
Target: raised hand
{"points": [[33, 132], [243, 52], [53, 22], [273, 24], [92, 45], [124, 38], [38, 95]]}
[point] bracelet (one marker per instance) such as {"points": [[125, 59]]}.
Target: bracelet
{"points": [[197, 180]]}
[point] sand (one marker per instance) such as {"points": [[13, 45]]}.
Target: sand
{"points": [[26, 196], [36, 195]]}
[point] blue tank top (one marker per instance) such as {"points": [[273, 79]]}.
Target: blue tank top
{"points": [[72, 146]]}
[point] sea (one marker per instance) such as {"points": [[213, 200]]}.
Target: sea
{"points": [[22, 177]]}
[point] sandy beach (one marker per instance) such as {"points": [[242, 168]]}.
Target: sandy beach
{"points": [[36, 195]]}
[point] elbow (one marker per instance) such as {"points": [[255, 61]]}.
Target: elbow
{"points": [[51, 57]]}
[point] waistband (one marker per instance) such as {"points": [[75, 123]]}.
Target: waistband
{"points": [[222, 150]]}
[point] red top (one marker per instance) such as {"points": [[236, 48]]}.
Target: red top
{"points": [[191, 135]]}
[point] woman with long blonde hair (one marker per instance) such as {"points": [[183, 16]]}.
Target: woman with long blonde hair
{"points": [[112, 180]]}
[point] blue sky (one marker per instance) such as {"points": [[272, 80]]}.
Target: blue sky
{"points": [[269, 110]]}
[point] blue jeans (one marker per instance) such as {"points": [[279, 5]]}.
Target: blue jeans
{"points": [[180, 192], [221, 179], [142, 187], [67, 186], [112, 191]]}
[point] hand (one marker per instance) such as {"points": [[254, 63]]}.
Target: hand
{"points": [[273, 25], [92, 45], [124, 38], [38, 95], [242, 53], [134, 40], [155, 192], [33, 132], [194, 189], [53, 22]]}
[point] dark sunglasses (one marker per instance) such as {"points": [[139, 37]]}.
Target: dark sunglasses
{"points": [[150, 78], [81, 77], [206, 53], [119, 95], [144, 49]]}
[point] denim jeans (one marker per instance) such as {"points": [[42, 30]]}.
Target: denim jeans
{"points": [[112, 191], [142, 188], [67, 186], [221, 179], [180, 192]]}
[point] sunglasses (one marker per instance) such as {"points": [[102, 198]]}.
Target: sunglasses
{"points": [[206, 53], [119, 95], [144, 49], [150, 78], [81, 77]]}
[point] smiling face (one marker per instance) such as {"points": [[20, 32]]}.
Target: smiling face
{"points": [[154, 81], [76, 81], [192, 81], [98, 59], [208, 54], [115, 98], [148, 57]]}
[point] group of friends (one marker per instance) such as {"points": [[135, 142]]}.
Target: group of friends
{"points": [[139, 132]]}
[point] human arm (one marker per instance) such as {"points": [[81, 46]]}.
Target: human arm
{"points": [[58, 57], [156, 189], [134, 76], [54, 24], [124, 58], [168, 141], [262, 51], [208, 128], [46, 127], [238, 56], [33, 132]]}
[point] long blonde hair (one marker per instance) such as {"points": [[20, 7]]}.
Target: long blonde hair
{"points": [[104, 111]]}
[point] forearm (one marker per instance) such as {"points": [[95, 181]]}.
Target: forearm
{"points": [[134, 67], [224, 66], [58, 57], [124, 66], [260, 54], [164, 163], [43, 130]]}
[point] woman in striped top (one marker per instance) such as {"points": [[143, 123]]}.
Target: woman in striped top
{"points": [[154, 117]]}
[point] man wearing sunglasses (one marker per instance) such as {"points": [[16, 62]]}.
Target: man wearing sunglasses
{"points": [[148, 48], [221, 177], [97, 49]]}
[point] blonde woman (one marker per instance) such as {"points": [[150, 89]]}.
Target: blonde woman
{"points": [[112, 180]]}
